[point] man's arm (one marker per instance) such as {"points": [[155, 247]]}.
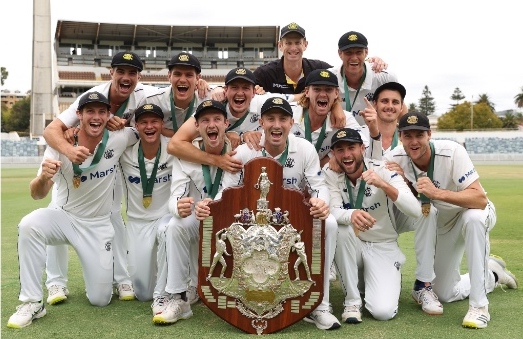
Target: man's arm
{"points": [[41, 185], [471, 197]]}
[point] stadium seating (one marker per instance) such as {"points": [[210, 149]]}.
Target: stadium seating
{"points": [[70, 75], [22, 148], [494, 145]]}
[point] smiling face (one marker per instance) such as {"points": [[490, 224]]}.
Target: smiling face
{"points": [[321, 98], [292, 46], [93, 118], [149, 127], [124, 81], [388, 105], [276, 126], [416, 145], [239, 94], [183, 80], [211, 125], [349, 156], [353, 59]]}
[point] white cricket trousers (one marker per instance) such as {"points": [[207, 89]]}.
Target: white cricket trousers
{"points": [[91, 238]]}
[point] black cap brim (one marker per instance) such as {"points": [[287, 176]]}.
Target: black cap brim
{"points": [[241, 77], [352, 46]]}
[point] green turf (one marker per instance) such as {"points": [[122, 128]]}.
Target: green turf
{"points": [[132, 319]]}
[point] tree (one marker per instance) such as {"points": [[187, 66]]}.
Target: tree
{"points": [[457, 96], [4, 74], [510, 120], [6, 113], [459, 117], [426, 103], [483, 98], [413, 107], [518, 99], [19, 116]]}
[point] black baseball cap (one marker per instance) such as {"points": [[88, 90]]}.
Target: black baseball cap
{"points": [[414, 120], [185, 59], [393, 86], [210, 104], [321, 77], [278, 103], [240, 73], [148, 108], [290, 28], [352, 39], [127, 59], [91, 97], [346, 134]]}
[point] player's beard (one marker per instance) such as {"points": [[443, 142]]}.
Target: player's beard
{"points": [[358, 162]]}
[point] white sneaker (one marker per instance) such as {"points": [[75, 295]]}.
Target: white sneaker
{"points": [[57, 294], [176, 309], [25, 314], [505, 277], [323, 319], [428, 300], [351, 314], [477, 317], [160, 304], [332, 273], [126, 292], [192, 295]]}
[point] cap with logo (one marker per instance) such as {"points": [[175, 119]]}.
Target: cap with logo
{"points": [[414, 120], [321, 77], [348, 135], [148, 108], [210, 104], [91, 97], [240, 73], [185, 59], [393, 86], [292, 28], [277, 103], [127, 59], [352, 39]]}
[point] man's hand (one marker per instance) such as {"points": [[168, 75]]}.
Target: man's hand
{"points": [[338, 118], [185, 206], [395, 167], [361, 221], [70, 134], [203, 89], [319, 208], [370, 116], [116, 123], [252, 139], [49, 168], [201, 210], [234, 138], [229, 164], [378, 64], [372, 178], [426, 187], [259, 90], [218, 94], [334, 166], [77, 154]]}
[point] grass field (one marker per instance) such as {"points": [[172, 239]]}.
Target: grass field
{"points": [[76, 318]]}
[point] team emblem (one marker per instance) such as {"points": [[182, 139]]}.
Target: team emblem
{"points": [[207, 103], [183, 57], [147, 107], [127, 56], [341, 134], [94, 96], [353, 37], [277, 101], [412, 120], [293, 25], [241, 71], [324, 74]]}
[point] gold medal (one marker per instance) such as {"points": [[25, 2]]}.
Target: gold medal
{"points": [[425, 208], [77, 180], [147, 201]]}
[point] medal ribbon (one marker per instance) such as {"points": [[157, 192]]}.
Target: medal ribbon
{"points": [[238, 122], [395, 140], [147, 184], [361, 191], [212, 186], [283, 157], [173, 110], [308, 132], [348, 106], [101, 149], [430, 172]]}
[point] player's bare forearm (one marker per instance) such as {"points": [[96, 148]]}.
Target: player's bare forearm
{"points": [[471, 197], [40, 187]]}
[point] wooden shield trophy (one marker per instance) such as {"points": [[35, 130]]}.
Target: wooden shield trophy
{"points": [[261, 253]]}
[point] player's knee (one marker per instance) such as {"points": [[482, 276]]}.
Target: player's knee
{"points": [[100, 300], [383, 312]]}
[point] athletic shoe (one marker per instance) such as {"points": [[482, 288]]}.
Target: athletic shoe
{"points": [[192, 295], [323, 319], [428, 300], [176, 309], [126, 292], [160, 304], [332, 273], [57, 294], [505, 277], [351, 314], [477, 317], [25, 314]]}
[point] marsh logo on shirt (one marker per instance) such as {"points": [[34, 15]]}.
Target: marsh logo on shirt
{"points": [[289, 163], [464, 177], [134, 180], [109, 154], [255, 117]]}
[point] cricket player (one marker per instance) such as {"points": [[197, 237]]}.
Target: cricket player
{"points": [[80, 213], [445, 178], [301, 169]]}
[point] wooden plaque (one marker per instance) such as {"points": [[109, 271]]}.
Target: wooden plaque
{"points": [[263, 237]]}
